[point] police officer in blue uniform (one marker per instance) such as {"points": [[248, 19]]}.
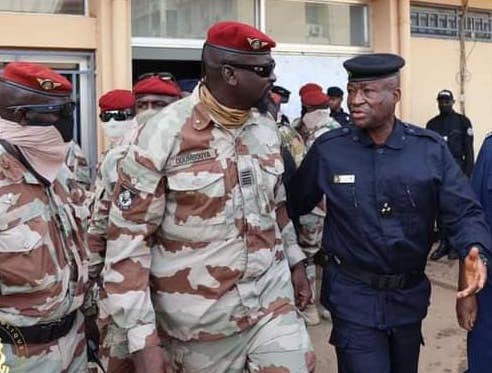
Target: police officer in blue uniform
{"points": [[335, 99], [385, 182], [479, 321]]}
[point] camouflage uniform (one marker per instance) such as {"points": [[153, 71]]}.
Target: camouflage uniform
{"points": [[77, 163], [293, 141], [43, 264], [114, 353], [311, 225], [199, 244]]}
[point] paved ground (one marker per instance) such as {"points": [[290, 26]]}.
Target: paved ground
{"points": [[445, 342]]}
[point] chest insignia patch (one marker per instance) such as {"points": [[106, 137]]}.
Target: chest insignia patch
{"points": [[125, 199], [343, 179]]}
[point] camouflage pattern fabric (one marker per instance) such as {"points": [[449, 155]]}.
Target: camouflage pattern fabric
{"points": [[43, 256], [293, 141], [274, 345], [311, 225], [67, 354], [77, 163], [114, 348], [199, 242]]}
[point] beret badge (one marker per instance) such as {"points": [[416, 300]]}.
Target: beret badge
{"points": [[48, 84]]}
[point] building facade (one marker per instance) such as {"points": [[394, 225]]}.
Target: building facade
{"points": [[105, 44]]}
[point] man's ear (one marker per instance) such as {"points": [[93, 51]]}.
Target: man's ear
{"points": [[228, 75]]}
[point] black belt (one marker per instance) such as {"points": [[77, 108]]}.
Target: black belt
{"points": [[379, 281], [40, 333]]}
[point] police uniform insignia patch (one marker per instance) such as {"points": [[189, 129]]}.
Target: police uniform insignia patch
{"points": [[48, 84], [125, 199], [469, 131]]}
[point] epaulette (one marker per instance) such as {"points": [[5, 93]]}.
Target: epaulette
{"points": [[413, 130], [332, 134]]}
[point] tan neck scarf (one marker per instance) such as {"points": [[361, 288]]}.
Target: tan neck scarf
{"points": [[226, 116], [42, 146]]}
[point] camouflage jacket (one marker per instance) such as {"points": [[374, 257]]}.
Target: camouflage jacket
{"points": [[77, 163], [199, 240], [310, 233], [43, 252], [293, 141]]}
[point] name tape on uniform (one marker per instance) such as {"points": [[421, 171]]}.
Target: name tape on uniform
{"points": [[343, 179], [192, 157]]}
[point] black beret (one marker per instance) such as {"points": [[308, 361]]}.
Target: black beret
{"points": [[445, 94], [283, 92], [373, 66], [334, 91]]}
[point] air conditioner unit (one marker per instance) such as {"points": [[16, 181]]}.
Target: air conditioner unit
{"points": [[314, 30]]}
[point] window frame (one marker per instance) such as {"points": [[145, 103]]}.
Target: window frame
{"points": [[260, 22]]}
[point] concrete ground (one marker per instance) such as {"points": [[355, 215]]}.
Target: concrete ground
{"points": [[445, 341]]}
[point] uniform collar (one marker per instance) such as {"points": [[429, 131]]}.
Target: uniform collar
{"points": [[396, 140]]}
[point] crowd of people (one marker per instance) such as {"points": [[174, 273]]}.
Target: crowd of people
{"points": [[213, 220]]}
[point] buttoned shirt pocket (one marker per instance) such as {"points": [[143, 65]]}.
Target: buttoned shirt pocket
{"points": [[25, 262], [268, 176], [197, 198]]}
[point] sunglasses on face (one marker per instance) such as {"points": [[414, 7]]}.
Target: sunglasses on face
{"points": [[118, 115], [65, 109], [263, 71], [161, 76]]}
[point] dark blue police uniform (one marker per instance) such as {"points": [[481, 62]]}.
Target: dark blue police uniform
{"points": [[341, 117], [381, 205], [480, 338]]}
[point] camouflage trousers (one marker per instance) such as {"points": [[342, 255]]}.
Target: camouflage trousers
{"points": [[115, 356], [67, 354], [278, 344]]}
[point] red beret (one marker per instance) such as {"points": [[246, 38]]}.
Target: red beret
{"points": [[37, 78], [314, 98], [240, 37], [309, 87], [117, 99], [155, 85]]}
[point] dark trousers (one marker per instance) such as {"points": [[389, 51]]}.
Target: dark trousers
{"points": [[480, 338], [362, 349]]}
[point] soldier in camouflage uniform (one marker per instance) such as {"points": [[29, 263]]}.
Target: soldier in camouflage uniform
{"points": [[199, 242], [43, 254], [314, 123]]}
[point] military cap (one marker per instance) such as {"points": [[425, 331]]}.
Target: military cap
{"points": [[373, 66], [314, 98], [309, 87], [445, 94], [37, 78], [334, 92], [283, 92], [117, 99], [239, 37], [154, 85]]}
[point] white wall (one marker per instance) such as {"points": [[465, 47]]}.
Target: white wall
{"points": [[293, 71]]}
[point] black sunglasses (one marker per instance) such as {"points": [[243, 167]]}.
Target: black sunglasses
{"points": [[160, 75], [263, 71], [65, 109], [118, 115]]}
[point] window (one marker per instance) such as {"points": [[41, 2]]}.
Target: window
{"points": [[445, 22], [186, 19], [317, 22], [44, 6]]}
